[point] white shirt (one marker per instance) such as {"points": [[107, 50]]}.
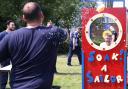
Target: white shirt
{"points": [[104, 45]]}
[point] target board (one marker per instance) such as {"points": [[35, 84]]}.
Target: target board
{"points": [[104, 48]]}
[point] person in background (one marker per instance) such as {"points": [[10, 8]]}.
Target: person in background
{"points": [[114, 33], [33, 50], [4, 75], [74, 46], [114, 36]]}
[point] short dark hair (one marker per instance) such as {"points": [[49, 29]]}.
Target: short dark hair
{"points": [[9, 21], [79, 28], [32, 15]]}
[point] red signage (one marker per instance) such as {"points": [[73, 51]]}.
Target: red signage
{"points": [[104, 48]]}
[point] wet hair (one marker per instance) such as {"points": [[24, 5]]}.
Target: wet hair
{"points": [[33, 14], [106, 32]]}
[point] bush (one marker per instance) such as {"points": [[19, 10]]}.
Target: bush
{"points": [[63, 48]]}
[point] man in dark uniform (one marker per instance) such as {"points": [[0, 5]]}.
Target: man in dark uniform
{"points": [[74, 46], [4, 75], [33, 50]]}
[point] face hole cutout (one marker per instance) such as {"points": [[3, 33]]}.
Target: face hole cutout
{"points": [[104, 31]]}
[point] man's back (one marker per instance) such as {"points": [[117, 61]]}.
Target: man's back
{"points": [[33, 55]]}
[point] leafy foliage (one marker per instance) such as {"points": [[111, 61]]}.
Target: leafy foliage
{"points": [[59, 11]]}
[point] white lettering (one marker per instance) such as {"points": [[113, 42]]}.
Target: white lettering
{"points": [[97, 79], [106, 79], [104, 68], [98, 57], [114, 56], [119, 79]]}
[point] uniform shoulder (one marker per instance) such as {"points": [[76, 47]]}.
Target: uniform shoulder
{"points": [[76, 32], [3, 32], [20, 30]]}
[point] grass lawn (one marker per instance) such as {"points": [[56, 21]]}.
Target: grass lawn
{"points": [[69, 77]]}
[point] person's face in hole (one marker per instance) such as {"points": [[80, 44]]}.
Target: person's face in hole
{"points": [[108, 38]]}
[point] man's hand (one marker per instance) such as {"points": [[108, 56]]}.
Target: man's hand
{"points": [[74, 43], [49, 24], [73, 47]]}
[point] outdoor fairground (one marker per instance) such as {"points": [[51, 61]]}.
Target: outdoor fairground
{"points": [[68, 77], [104, 29]]}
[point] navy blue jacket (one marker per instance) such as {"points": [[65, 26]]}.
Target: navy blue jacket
{"points": [[2, 35], [6, 62], [33, 55]]}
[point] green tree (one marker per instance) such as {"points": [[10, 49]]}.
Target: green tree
{"points": [[61, 12], [58, 11]]}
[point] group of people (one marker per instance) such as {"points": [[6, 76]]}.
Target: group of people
{"points": [[32, 50]]}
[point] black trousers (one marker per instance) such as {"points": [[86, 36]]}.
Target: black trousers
{"points": [[4, 75], [77, 51]]}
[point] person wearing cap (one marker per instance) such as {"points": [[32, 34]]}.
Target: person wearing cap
{"points": [[33, 50], [4, 75], [107, 36]]}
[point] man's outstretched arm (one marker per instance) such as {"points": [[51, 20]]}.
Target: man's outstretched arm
{"points": [[58, 35]]}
